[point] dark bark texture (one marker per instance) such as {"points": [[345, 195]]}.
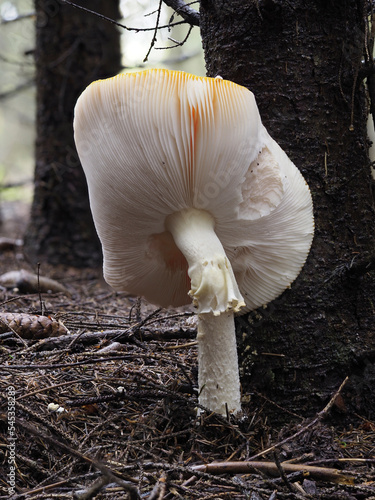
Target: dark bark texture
{"points": [[302, 60], [73, 48]]}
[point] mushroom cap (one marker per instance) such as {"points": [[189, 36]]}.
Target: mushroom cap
{"points": [[156, 142]]}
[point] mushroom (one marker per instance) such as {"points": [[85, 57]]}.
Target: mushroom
{"points": [[192, 197]]}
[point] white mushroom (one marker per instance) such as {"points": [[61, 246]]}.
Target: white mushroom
{"points": [[191, 196]]}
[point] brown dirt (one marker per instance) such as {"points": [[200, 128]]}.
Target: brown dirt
{"points": [[144, 440]]}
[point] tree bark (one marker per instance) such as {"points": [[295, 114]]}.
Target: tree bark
{"points": [[73, 48], [303, 63]]}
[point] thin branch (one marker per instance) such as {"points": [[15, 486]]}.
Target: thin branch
{"points": [[322, 414], [105, 18], [63, 341], [270, 468], [182, 9], [176, 42], [155, 31]]}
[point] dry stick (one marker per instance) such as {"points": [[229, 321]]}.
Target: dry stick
{"points": [[132, 490], [30, 282], [270, 468], [181, 346], [317, 419]]}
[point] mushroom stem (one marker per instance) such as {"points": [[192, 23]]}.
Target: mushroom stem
{"points": [[213, 285], [218, 379], [215, 293]]}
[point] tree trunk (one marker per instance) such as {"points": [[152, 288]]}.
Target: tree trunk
{"points": [[73, 48], [303, 63]]}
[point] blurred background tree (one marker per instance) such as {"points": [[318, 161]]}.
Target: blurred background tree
{"points": [[72, 49]]}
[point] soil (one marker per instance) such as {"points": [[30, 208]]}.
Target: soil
{"points": [[109, 408]]}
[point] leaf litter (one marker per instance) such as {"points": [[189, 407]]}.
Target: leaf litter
{"points": [[107, 409]]}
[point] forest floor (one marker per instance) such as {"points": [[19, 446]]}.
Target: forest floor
{"points": [[99, 400]]}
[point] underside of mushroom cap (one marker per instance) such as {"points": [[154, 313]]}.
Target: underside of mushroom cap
{"points": [[158, 142], [274, 234]]}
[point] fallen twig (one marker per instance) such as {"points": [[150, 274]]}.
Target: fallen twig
{"points": [[127, 334], [27, 282], [322, 414], [270, 468]]}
